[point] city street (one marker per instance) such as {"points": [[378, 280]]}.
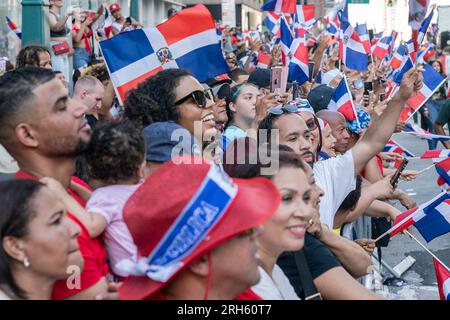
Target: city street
{"points": [[420, 278]]}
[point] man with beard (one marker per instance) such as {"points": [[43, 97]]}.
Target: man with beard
{"points": [[44, 130], [336, 176]]}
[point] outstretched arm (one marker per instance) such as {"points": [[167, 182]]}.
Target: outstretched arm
{"points": [[382, 127]]}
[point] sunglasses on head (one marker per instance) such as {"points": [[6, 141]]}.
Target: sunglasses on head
{"points": [[199, 97], [285, 108]]}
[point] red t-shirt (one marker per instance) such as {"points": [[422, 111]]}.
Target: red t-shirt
{"points": [[92, 250], [246, 295]]}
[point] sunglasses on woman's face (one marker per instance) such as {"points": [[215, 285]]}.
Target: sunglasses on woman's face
{"points": [[280, 109], [199, 97]]}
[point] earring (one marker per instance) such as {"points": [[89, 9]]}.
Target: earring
{"points": [[26, 262]]}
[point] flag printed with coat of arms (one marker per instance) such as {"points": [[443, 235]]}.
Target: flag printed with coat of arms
{"points": [[188, 40]]}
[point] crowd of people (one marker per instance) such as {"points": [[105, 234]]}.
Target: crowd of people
{"points": [[220, 189]]}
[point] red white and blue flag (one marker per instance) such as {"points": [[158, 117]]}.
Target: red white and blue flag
{"points": [[286, 40], [399, 55], [392, 146], [187, 40], [104, 30], [332, 26], [305, 15], [342, 101], [443, 170], [432, 81], [381, 48], [12, 27], [443, 279], [417, 12], [424, 27], [263, 60], [363, 34], [424, 134], [433, 154], [272, 22], [424, 218], [351, 49], [298, 65], [284, 6]]}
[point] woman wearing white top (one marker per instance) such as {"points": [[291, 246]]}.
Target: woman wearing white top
{"points": [[285, 230]]}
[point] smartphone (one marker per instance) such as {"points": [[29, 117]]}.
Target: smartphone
{"points": [[368, 87], [311, 66], [128, 20], [295, 90], [275, 79], [382, 96], [398, 172]]}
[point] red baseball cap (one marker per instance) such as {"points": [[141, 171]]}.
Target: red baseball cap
{"points": [[183, 211], [114, 7]]}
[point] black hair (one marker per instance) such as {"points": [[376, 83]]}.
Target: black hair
{"points": [[160, 89], [115, 152], [236, 73], [17, 210], [29, 56], [16, 89], [268, 124], [234, 94], [353, 197]]}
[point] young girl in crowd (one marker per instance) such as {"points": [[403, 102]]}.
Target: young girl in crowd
{"points": [[115, 160], [241, 110]]}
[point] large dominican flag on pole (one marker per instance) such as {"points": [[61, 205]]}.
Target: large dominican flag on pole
{"points": [[286, 40], [443, 279], [351, 49], [361, 30], [284, 6], [187, 40]]}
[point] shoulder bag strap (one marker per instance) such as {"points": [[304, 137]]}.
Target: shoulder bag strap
{"points": [[306, 279]]}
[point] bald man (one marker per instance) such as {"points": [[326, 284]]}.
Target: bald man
{"points": [[89, 91], [338, 129]]}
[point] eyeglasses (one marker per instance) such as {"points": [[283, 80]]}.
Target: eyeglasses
{"points": [[285, 108], [199, 97]]}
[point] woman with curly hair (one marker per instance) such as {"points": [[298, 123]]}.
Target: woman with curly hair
{"points": [[115, 158], [34, 56], [173, 95]]}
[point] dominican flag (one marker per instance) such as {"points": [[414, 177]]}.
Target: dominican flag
{"points": [[424, 27], [263, 60], [187, 40], [392, 146], [443, 170], [305, 14], [12, 27], [361, 30], [382, 47], [104, 30], [272, 22], [298, 65], [342, 101], [423, 216], [424, 134], [286, 40], [432, 81], [284, 6], [432, 154], [443, 279], [332, 25], [351, 49], [399, 55]]}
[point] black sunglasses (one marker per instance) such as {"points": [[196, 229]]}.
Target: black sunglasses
{"points": [[199, 97]]}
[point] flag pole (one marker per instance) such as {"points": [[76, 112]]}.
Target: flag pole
{"points": [[427, 168], [426, 249]]}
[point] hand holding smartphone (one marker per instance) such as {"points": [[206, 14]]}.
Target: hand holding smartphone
{"points": [[398, 172]]}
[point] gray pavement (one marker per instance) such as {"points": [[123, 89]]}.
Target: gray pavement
{"points": [[420, 278]]}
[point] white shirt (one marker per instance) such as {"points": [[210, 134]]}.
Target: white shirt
{"points": [[276, 287], [336, 177]]}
